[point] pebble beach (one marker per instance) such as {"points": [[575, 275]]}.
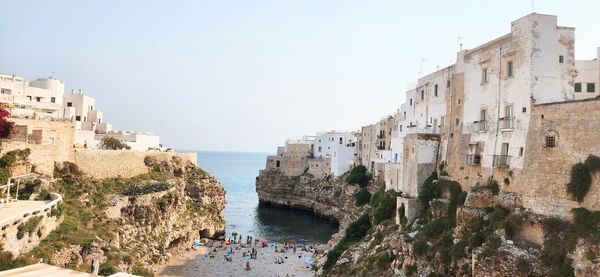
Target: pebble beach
{"points": [[204, 261]]}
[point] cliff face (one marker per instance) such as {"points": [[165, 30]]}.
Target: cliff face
{"points": [[130, 224], [328, 197]]}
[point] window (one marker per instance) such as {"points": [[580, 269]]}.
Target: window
{"points": [[422, 95], [591, 87], [456, 121], [550, 142], [400, 128], [78, 118], [524, 109], [561, 59], [435, 90], [521, 150], [29, 97], [509, 69], [38, 99], [484, 76], [320, 148], [341, 141], [410, 102], [69, 104], [448, 83], [52, 99], [577, 87], [91, 108], [482, 115], [278, 164]]}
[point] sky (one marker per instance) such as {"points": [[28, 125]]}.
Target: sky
{"points": [[245, 75]]}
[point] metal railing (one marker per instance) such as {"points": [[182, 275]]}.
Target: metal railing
{"points": [[474, 159], [507, 123], [482, 125], [501, 161]]}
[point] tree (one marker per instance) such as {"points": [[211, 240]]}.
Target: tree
{"points": [[5, 125], [112, 143]]}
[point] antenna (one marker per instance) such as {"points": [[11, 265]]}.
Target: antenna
{"points": [[459, 43], [532, 6], [421, 69]]}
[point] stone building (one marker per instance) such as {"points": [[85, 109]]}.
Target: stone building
{"points": [[480, 111]]}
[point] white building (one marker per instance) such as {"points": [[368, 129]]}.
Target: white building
{"points": [[340, 147], [41, 98], [587, 81], [45, 98]]}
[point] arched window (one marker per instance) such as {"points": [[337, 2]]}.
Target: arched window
{"points": [[550, 139]]}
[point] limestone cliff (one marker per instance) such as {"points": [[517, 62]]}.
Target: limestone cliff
{"points": [[327, 197], [130, 224]]}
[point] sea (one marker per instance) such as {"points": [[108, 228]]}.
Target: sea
{"points": [[237, 172]]}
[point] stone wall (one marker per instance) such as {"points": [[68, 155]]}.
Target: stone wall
{"points": [[53, 142], [9, 227], [547, 170], [319, 167], [124, 163]]}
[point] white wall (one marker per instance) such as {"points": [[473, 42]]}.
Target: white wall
{"points": [[339, 146]]}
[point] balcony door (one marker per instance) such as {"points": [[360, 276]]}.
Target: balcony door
{"points": [[504, 149], [508, 116]]}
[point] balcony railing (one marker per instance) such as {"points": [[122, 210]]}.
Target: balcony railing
{"points": [[482, 126], [501, 161], [507, 123], [474, 159]]}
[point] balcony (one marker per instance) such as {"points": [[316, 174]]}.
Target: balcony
{"points": [[507, 123], [474, 159], [501, 161], [482, 126]]}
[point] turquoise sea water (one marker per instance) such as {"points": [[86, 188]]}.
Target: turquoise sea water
{"points": [[237, 172]]}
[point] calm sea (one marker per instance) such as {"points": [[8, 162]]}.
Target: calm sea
{"points": [[237, 173]]}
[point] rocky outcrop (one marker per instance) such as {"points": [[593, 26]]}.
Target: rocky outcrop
{"points": [[327, 197]]}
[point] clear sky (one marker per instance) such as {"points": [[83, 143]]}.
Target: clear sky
{"points": [[244, 75]]}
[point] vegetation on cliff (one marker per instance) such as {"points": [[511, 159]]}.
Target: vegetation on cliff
{"points": [[155, 211], [581, 177]]}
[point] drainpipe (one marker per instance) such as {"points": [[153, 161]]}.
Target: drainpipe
{"points": [[498, 106]]}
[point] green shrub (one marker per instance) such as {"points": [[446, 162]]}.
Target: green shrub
{"points": [[106, 269], [420, 247], [112, 143], [555, 247], [490, 247], [334, 254], [506, 181], [493, 186], [28, 227], [362, 197], [593, 163], [427, 190], [141, 271], [586, 224], [358, 176], [385, 209], [458, 250], [383, 261], [497, 216], [8, 261], [4, 175], [135, 190], [11, 157], [436, 228], [358, 229], [580, 183], [26, 190], [43, 196], [355, 232], [410, 270]]}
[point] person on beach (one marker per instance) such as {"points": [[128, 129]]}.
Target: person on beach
{"points": [[247, 265]]}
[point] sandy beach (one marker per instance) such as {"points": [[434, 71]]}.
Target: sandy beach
{"points": [[198, 262]]}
